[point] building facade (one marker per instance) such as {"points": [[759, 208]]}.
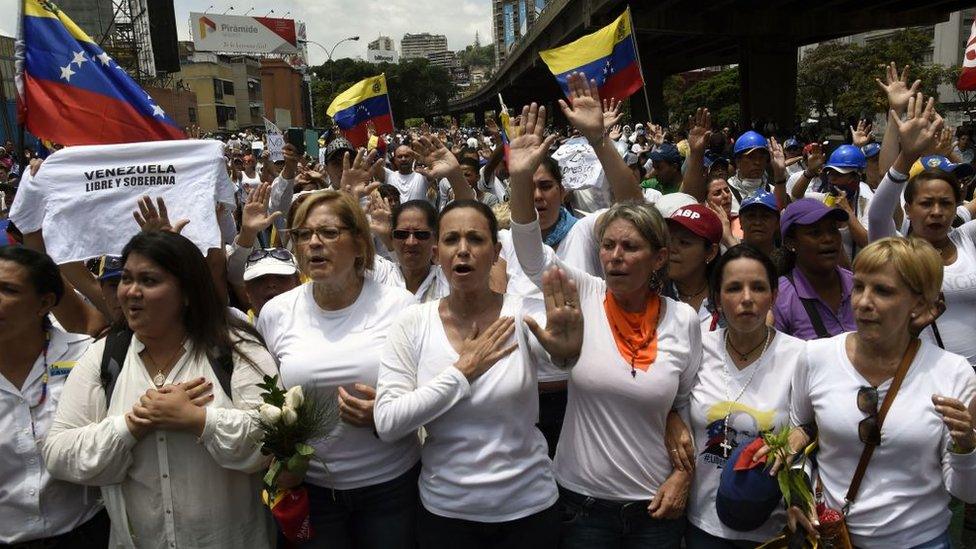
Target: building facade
{"points": [[211, 78], [283, 89], [511, 20], [419, 46], [445, 59], [382, 50], [247, 84]]}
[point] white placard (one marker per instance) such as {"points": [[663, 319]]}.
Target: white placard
{"points": [[580, 166]]}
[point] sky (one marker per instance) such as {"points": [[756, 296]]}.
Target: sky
{"points": [[328, 21]]}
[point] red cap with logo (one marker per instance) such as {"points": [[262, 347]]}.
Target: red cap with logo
{"points": [[700, 220]]}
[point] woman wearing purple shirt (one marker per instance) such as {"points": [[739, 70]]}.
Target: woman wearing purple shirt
{"points": [[814, 298]]}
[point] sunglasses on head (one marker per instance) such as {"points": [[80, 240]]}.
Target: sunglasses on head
{"points": [[867, 428], [402, 234], [280, 254]]}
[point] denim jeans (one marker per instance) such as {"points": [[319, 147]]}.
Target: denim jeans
{"points": [[592, 523], [537, 531], [696, 538], [382, 516]]}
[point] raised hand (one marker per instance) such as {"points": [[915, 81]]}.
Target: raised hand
{"points": [[945, 144], [699, 129], [816, 159], [290, 168], [528, 149], [562, 337], [585, 112], [254, 216], [777, 160], [615, 132], [380, 216], [921, 129], [611, 113], [156, 218], [492, 126], [896, 87], [861, 135], [432, 152], [480, 351], [357, 178], [656, 134]]}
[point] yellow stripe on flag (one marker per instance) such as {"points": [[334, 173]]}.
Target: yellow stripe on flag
{"points": [[357, 93], [588, 48], [35, 8]]}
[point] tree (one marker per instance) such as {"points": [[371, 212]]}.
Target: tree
{"points": [[965, 98], [719, 92], [477, 55]]}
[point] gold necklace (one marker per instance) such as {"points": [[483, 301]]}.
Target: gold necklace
{"points": [[159, 379]]}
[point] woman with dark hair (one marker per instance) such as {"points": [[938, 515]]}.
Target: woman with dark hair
{"points": [[695, 232], [35, 359], [414, 233], [464, 367], [931, 199], [742, 392], [175, 454], [638, 361], [328, 335], [814, 299]]}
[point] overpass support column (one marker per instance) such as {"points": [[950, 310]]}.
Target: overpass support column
{"points": [[767, 83], [479, 117]]}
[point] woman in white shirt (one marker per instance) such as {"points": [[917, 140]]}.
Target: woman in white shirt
{"points": [[931, 198], [328, 336], [639, 358], [176, 455], [742, 392], [925, 447], [35, 360], [414, 234], [464, 367]]}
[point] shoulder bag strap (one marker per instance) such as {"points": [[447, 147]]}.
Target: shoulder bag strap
{"points": [[868, 451], [810, 306]]}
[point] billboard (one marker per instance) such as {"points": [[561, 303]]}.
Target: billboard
{"points": [[239, 34]]}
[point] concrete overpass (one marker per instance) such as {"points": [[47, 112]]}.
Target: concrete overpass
{"points": [[675, 36]]}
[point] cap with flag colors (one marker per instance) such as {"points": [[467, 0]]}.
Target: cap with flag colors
{"points": [[73, 93], [366, 101], [608, 56]]}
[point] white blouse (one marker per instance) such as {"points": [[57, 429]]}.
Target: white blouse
{"points": [[171, 488]]}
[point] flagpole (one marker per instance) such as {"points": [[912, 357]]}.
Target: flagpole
{"points": [[640, 64]]}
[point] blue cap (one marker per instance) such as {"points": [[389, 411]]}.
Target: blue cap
{"points": [[762, 198], [847, 159], [747, 495], [871, 150], [109, 266], [792, 143], [941, 163], [667, 153], [713, 157], [749, 141], [807, 211]]}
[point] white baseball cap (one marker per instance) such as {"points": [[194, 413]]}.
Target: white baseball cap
{"points": [[671, 202], [269, 261]]}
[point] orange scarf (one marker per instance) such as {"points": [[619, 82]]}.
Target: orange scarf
{"points": [[634, 333]]}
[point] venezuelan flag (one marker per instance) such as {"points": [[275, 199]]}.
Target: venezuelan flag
{"points": [[608, 56], [366, 101], [76, 94]]}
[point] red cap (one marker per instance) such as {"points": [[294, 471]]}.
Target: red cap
{"points": [[700, 220]]}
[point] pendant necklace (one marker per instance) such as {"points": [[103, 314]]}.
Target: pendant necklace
{"points": [[726, 445], [159, 379]]}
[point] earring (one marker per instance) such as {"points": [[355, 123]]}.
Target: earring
{"points": [[914, 315]]}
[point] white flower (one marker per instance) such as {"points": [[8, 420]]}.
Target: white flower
{"points": [[288, 415], [269, 413], [294, 397]]}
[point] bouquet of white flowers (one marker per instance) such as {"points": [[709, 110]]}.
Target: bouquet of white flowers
{"points": [[289, 422]]}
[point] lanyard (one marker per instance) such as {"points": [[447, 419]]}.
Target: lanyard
{"points": [[44, 379]]}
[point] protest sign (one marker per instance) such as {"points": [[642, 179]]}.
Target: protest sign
{"points": [[83, 197], [276, 141], [580, 166]]}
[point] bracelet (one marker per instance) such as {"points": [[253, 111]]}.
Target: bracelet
{"points": [[895, 178]]}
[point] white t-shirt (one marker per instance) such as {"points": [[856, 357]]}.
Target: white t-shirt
{"points": [[903, 499], [497, 187], [412, 186], [435, 286], [580, 249], [612, 441], [483, 460], [764, 406], [323, 350]]}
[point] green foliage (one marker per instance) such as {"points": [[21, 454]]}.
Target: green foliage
{"points": [[720, 93], [477, 55], [416, 88], [836, 82], [792, 482], [272, 392]]}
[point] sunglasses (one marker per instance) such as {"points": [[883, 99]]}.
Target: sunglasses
{"points": [[401, 234], [304, 234], [867, 429], [280, 254]]}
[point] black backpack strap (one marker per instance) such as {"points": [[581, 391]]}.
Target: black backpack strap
{"points": [[810, 306], [736, 194], [113, 358], [222, 364], [938, 336]]}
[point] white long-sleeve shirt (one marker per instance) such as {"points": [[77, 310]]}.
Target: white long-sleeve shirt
{"points": [[483, 460], [171, 488], [958, 280], [387, 272], [612, 442], [35, 505], [323, 350], [903, 499]]}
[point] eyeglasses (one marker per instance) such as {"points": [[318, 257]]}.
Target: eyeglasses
{"points": [[280, 254], [401, 234], [867, 429], [304, 234]]}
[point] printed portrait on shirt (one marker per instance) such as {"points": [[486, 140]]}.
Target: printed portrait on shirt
{"points": [[744, 424]]}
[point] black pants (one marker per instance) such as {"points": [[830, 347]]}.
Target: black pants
{"points": [[552, 409], [537, 531], [90, 535]]}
